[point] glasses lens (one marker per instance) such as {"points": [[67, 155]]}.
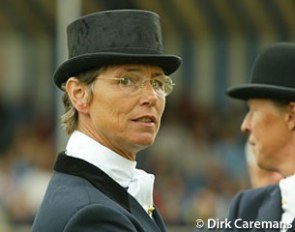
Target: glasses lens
{"points": [[162, 85], [168, 86], [132, 81]]}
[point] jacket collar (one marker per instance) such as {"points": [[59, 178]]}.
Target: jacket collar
{"points": [[271, 209], [109, 187]]}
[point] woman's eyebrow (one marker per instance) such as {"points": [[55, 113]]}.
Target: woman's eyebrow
{"points": [[135, 69]]}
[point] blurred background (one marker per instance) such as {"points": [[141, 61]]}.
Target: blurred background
{"points": [[198, 157]]}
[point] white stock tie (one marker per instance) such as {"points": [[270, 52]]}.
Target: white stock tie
{"points": [[141, 188]]}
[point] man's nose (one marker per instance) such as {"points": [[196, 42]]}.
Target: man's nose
{"points": [[245, 126]]}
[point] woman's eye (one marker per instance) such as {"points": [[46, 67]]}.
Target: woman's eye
{"points": [[126, 81], [157, 84]]}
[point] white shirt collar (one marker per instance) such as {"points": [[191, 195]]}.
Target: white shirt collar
{"points": [[287, 186], [117, 167]]}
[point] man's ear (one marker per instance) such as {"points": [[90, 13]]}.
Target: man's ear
{"points": [[291, 115], [77, 94]]}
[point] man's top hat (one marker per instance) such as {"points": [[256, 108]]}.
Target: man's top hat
{"points": [[114, 37], [272, 75]]}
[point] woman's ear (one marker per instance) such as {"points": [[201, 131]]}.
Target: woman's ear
{"points": [[77, 94], [291, 115]]}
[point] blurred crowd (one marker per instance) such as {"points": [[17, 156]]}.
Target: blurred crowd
{"points": [[198, 159], [26, 158]]}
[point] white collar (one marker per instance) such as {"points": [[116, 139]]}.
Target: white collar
{"points": [[117, 167], [287, 186], [123, 171]]}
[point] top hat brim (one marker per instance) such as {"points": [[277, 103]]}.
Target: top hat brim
{"points": [[261, 91], [86, 62]]}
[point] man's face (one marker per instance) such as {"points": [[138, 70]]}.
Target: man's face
{"points": [[123, 120], [268, 132]]}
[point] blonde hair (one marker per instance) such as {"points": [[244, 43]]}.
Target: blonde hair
{"points": [[69, 119]]}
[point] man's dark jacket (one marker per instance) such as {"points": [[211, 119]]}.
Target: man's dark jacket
{"points": [[262, 205]]}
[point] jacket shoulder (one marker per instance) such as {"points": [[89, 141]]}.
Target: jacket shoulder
{"points": [[247, 203], [68, 196], [257, 194]]}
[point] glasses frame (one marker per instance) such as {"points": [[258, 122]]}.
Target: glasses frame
{"points": [[168, 82]]}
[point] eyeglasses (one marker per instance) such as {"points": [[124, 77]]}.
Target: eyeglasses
{"points": [[131, 82]]}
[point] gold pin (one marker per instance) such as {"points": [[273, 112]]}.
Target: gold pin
{"points": [[150, 210]]}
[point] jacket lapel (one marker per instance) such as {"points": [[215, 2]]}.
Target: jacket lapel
{"points": [[159, 221], [271, 209], [108, 186], [146, 220]]}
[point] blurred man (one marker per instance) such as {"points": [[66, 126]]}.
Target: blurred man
{"points": [[270, 123]]}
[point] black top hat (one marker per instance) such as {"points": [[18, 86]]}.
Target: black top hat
{"points": [[114, 37], [272, 75]]}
